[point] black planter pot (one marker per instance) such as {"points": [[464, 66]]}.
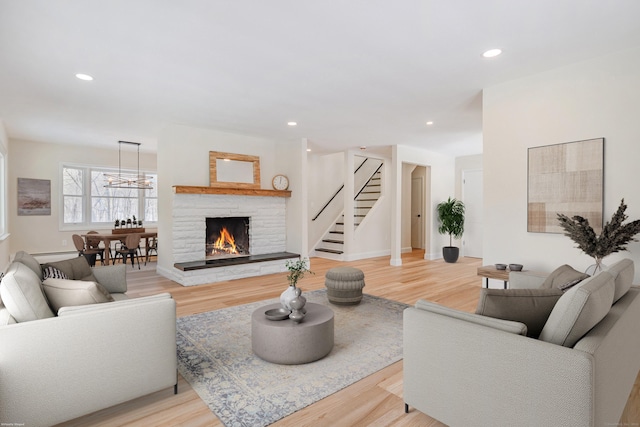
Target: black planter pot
{"points": [[450, 253]]}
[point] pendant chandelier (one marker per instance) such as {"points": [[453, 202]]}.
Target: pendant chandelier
{"points": [[127, 180]]}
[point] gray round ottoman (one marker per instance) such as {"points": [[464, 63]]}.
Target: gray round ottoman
{"points": [[344, 285]]}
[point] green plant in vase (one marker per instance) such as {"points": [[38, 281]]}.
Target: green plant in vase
{"points": [[614, 236], [297, 270], [451, 219]]}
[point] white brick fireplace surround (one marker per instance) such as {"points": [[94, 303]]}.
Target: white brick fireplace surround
{"points": [[267, 233]]}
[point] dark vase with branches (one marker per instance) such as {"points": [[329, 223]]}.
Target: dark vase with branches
{"points": [[451, 218], [614, 236]]}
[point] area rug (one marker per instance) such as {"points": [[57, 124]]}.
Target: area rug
{"points": [[215, 357]]}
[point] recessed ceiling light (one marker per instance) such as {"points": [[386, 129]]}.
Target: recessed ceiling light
{"points": [[308, 149], [429, 123], [86, 77], [492, 53], [292, 123]]}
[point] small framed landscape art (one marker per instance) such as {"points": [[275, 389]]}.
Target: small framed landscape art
{"points": [[565, 178], [34, 196]]}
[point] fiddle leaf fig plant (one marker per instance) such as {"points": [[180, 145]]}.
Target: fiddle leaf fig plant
{"points": [[451, 218]]}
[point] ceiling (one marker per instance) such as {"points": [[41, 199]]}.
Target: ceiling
{"points": [[350, 73]]}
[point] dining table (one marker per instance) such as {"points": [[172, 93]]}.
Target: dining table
{"points": [[107, 238]]}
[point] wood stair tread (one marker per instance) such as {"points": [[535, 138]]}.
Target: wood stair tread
{"points": [[331, 251]]}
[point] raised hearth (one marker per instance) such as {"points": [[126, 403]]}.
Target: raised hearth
{"points": [[222, 262]]}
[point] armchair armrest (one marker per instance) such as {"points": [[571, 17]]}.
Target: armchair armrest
{"points": [[112, 277], [499, 324]]}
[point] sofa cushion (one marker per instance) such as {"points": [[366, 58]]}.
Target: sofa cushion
{"points": [[5, 317], [579, 310], [77, 268], [562, 276], [529, 306], [64, 293], [29, 260], [22, 294], [622, 272]]}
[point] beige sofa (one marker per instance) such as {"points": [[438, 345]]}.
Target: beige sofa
{"points": [[59, 364], [469, 369]]}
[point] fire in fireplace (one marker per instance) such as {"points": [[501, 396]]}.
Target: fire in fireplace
{"points": [[227, 237]]}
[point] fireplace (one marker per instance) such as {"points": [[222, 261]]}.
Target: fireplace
{"points": [[227, 237]]}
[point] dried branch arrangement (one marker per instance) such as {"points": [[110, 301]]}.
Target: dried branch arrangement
{"points": [[614, 236]]}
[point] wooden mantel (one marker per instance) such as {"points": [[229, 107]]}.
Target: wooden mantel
{"points": [[185, 189]]}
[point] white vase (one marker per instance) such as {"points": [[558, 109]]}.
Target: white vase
{"points": [[290, 293], [595, 268]]}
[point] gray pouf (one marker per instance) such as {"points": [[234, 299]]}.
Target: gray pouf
{"points": [[344, 285]]}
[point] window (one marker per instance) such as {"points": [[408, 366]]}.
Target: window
{"points": [[86, 202], [3, 194]]}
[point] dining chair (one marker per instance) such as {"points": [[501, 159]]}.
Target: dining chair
{"points": [[94, 243], [153, 246], [83, 249], [131, 249]]}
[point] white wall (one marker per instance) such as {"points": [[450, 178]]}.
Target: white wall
{"points": [[43, 160], [592, 99], [5, 249], [183, 159], [326, 175], [442, 186]]}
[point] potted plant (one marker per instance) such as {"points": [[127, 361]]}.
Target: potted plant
{"points": [[613, 238], [297, 270], [451, 219]]}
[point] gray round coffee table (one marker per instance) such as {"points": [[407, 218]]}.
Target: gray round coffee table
{"points": [[287, 343]]}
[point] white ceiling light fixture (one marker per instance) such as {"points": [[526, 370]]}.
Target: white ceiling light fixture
{"points": [[85, 77], [292, 123], [127, 180], [492, 53], [429, 123]]}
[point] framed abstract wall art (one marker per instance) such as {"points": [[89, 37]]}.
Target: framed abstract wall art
{"points": [[34, 196], [565, 178]]}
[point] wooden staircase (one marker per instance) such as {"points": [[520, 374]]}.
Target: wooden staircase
{"points": [[333, 240]]}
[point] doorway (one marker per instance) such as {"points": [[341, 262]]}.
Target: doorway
{"points": [[417, 205]]}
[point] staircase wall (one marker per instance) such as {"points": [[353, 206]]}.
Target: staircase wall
{"points": [[326, 175]]}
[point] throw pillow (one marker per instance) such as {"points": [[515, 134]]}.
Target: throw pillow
{"points": [[562, 276], [63, 293], [77, 268], [529, 306], [579, 310], [28, 260], [566, 286], [21, 292], [53, 272]]}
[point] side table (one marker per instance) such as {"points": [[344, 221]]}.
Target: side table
{"points": [[491, 272]]}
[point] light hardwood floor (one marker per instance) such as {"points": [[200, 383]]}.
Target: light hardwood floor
{"points": [[375, 400]]}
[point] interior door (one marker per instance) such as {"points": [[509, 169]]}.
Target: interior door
{"points": [[417, 221], [473, 221]]}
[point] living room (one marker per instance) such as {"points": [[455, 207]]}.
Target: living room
{"points": [[592, 96]]}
